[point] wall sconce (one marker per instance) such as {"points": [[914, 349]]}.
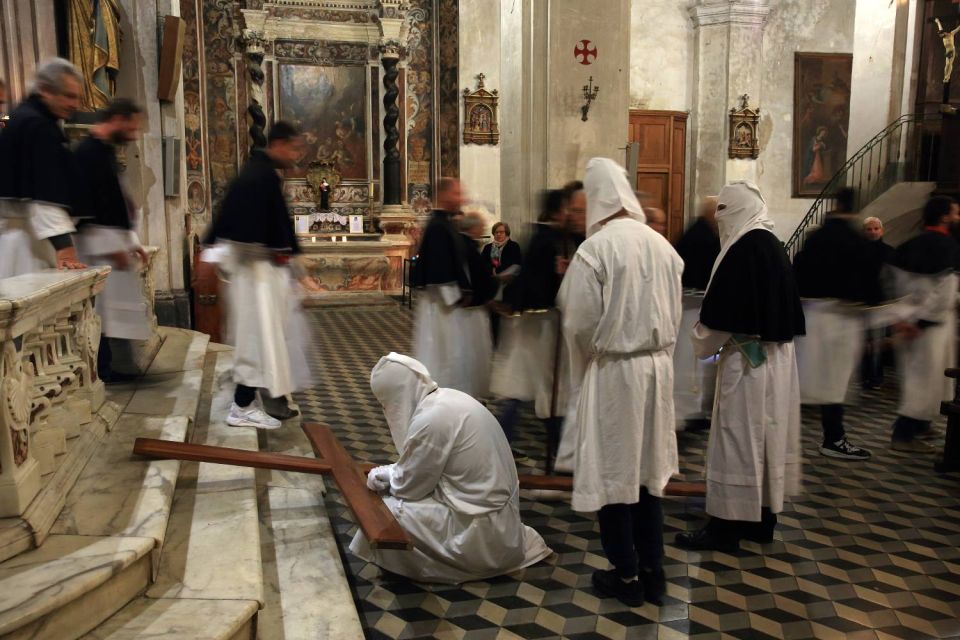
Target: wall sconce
{"points": [[589, 95]]}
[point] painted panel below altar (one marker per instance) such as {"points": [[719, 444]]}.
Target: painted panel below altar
{"points": [[350, 268]]}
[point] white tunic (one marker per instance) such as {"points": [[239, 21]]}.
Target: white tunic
{"points": [[923, 360], [621, 305], [454, 489], [694, 378], [24, 231], [753, 454], [123, 309], [453, 342], [830, 351], [258, 296], [523, 364]]}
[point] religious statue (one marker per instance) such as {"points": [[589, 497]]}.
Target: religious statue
{"points": [[324, 195], [949, 55], [94, 38], [744, 121]]}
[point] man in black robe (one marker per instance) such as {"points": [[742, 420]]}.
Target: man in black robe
{"points": [[835, 265], [452, 340], [256, 224], [700, 246], [107, 235], [925, 271], [38, 176]]}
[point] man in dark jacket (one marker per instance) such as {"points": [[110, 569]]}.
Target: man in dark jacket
{"points": [[38, 180], [836, 268]]}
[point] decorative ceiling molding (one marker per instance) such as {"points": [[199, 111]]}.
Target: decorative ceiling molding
{"points": [[739, 12]]}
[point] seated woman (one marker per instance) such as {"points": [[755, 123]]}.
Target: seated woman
{"points": [[454, 488]]}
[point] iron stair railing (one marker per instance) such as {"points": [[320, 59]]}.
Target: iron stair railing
{"points": [[904, 151]]}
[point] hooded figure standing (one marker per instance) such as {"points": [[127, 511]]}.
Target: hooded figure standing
{"points": [[621, 305], [750, 315], [454, 488]]}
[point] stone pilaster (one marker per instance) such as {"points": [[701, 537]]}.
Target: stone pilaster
{"points": [[728, 63]]}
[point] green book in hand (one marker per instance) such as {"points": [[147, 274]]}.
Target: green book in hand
{"points": [[751, 349]]}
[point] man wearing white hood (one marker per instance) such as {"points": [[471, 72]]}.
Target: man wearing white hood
{"points": [[454, 488], [750, 315], [621, 308]]}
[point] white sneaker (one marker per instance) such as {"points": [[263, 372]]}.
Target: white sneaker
{"points": [[252, 416]]}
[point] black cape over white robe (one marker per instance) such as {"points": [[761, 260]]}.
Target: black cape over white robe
{"points": [[451, 339], [753, 455], [108, 228], [838, 276], [925, 272], [38, 186], [265, 322]]}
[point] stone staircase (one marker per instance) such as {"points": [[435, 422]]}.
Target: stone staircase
{"points": [[163, 549]]}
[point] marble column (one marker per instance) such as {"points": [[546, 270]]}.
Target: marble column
{"points": [[254, 52], [390, 52], [728, 64]]}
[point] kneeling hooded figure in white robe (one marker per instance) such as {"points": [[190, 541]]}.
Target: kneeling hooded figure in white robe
{"points": [[750, 315], [454, 489]]}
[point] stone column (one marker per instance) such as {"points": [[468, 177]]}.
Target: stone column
{"points": [[253, 44], [728, 63], [390, 52]]}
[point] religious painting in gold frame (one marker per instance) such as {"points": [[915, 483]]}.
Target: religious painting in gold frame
{"points": [[480, 125], [744, 140], [821, 117]]}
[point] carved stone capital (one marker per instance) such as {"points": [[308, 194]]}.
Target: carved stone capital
{"points": [[391, 48], [734, 12], [253, 42]]}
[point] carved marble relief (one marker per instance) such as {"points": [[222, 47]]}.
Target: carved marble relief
{"points": [[321, 52], [194, 132]]}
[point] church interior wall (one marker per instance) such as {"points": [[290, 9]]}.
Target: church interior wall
{"points": [[661, 55], [793, 25], [479, 53]]}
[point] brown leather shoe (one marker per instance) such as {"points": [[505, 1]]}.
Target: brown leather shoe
{"points": [[911, 446]]}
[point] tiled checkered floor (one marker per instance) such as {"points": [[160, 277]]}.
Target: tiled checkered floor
{"points": [[869, 551]]}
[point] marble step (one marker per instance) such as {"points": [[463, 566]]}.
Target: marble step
{"points": [[306, 590], [119, 494], [212, 544], [171, 385], [71, 584], [181, 350], [180, 619]]}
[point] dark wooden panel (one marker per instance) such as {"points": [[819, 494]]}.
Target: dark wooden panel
{"points": [[375, 519], [662, 136]]}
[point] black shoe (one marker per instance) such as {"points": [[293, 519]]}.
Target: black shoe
{"points": [[759, 533], [844, 450], [654, 585], [700, 424], [705, 540], [609, 584], [115, 377], [925, 430], [279, 409]]}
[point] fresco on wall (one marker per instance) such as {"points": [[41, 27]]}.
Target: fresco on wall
{"points": [[193, 112], [821, 115], [219, 43], [329, 105], [448, 87]]}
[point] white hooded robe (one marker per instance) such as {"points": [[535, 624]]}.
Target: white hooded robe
{"points": [[621, 308], [454, 489]]}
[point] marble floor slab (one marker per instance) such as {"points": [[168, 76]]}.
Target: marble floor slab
{"points": [[306, 590], [41, 581], [177, 619], [182, 350], [119, 493], [212, 547], [168, 394]]}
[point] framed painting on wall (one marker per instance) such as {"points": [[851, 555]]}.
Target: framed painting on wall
{"points": [[821, 117], [329, 105]]}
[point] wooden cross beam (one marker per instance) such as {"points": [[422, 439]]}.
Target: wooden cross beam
{"points": [[376, 521]]}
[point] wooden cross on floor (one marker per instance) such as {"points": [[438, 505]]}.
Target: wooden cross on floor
{"points": [[376, 521]]}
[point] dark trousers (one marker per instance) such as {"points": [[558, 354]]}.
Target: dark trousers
{"points": [[831, 418], [632, 535], [509, 415], [906, 429], [244, 395], [104, 359]]}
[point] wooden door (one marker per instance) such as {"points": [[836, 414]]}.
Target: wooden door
{"points": [[662, 136]]}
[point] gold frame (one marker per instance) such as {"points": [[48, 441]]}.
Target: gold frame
{"points": [[744, 125], [477, 102]]}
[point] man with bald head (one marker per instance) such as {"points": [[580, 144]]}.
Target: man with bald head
{"points": [[443, 340]]}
